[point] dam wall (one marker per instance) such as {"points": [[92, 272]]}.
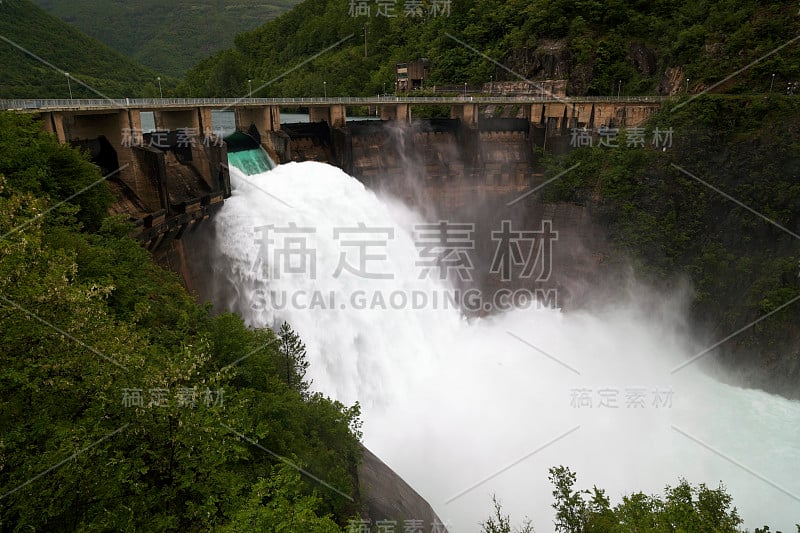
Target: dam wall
{"points": [[479, 174]]}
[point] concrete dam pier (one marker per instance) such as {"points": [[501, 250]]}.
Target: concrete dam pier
{"points": [[165, 181]]}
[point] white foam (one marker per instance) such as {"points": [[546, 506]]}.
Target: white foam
{"points": [[449, 402]]}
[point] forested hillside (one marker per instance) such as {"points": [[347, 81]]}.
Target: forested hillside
{"points": [[37, 34], [126, 406], [601, 47], [168, 37]]}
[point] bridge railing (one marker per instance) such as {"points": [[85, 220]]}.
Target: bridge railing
{"points": [[225, 103]]}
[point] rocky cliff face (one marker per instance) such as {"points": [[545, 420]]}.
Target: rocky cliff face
{"points": [[643, 59], [553, 60], [386, 496], [672, 82]]}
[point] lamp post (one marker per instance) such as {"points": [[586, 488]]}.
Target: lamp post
{"points": [[465, 89], [325, 88], [771, 82], [384, 87], [69, 85], [159, 87], [491, 84], [687, 85], [250, 88], [542, 90], [619, 88]]}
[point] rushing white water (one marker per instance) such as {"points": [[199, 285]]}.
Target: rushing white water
{"points": [[449, 403]]}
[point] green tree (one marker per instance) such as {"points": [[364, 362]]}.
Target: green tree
{"points": [[295, 361], [281, 503], [569, 505], [500, 523], [684, 508]]}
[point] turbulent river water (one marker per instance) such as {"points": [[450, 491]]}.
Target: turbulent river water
{"points": [[466, 408]]}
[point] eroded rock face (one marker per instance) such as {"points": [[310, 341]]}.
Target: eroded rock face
{"points": [[671, 82], [581, 79], [643, 59], [550, 60], [385, 496]]}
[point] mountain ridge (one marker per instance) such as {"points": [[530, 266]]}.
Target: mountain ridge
{"points": [[37, 50], [202, 27]]}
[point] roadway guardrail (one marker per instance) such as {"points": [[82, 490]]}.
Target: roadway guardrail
{"points": [[223, 103]]}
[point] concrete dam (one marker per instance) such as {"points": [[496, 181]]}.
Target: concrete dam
{"points": [[439, 377], [469, 166], [170, 180]]}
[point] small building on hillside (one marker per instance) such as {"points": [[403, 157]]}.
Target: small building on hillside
{"points": [[411, 76]]}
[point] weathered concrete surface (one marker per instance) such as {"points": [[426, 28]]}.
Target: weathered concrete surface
{"points": [[165, 185], [399, 112], [71, 128], [466, 113], [306, 142], [334, 115], [450, 172], [261, 123], [591, 115]]}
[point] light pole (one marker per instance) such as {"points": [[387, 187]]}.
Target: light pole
{"points": [[491, 83], [384, 87], [250, 87], [542, 90], [687, 85], [772, 82], [619, 88], [69, 85], [325, 88], [465, 89], [159, 87]]}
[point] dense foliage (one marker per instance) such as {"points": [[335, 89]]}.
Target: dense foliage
{"points": [[126, 406], [66, 49], [601, 47], [168, 37], [683, 508], [661, 209]]}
